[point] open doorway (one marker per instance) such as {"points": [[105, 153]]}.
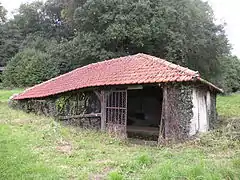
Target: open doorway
{"points": [[144, 112]]}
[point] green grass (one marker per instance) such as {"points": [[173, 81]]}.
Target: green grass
{"points": [[229, 106], [36, 147], [5, 94]]}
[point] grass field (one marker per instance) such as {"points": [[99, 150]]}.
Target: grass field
{"points": [[36, 147], [5, 94], [229, 106]]}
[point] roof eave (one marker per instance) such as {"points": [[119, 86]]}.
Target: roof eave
{"points": [[211, 85]]}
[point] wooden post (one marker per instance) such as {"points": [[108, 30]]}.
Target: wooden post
{"points": [[166, 111], [163, 126], [102, 99], [103, 111]]}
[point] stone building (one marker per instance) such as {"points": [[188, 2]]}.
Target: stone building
{"points": [[138, 95]]}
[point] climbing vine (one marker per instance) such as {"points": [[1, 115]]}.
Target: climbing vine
{"points": [[178, 111], [61, 103]]}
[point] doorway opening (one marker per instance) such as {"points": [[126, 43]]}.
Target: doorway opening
{"points": [[144, 112]]}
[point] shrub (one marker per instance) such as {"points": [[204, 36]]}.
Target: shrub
{"points": [[29, 67]]}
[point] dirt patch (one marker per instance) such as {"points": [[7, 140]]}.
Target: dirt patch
{"points": [[64, 147]]}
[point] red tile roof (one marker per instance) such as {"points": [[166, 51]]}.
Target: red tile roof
{"points": [[135, 69]]}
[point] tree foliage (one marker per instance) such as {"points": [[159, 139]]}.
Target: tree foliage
{"points": [[42, 19], [3, 13], [180, 31], [28, 68], [10, 40], [229, 79]]}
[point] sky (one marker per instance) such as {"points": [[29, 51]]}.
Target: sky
{"points": [[226, 11]]}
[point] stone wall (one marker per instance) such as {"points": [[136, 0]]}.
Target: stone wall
{"points": [[213, 112], [88, 123], [178, 111], [37, 106], [67, 105]]}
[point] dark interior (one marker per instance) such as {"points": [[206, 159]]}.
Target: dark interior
{"points": [[144, 112]]}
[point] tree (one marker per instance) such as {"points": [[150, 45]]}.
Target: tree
{"points": [[180, 31], [29, 67], [57, 10], [31, 21], [81, 51], [3, 13], [229, 79], [38, 43], [10, 41], [73, 33], [42, 20], [68, 8]]}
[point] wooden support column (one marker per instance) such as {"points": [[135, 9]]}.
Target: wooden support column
{"points": [[166, 111], [163, 123], [103, 111], [102, 99]]}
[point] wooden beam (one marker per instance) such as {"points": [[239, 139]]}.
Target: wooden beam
{"points": [[98, 94], [92, 115], [135, 87]]}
